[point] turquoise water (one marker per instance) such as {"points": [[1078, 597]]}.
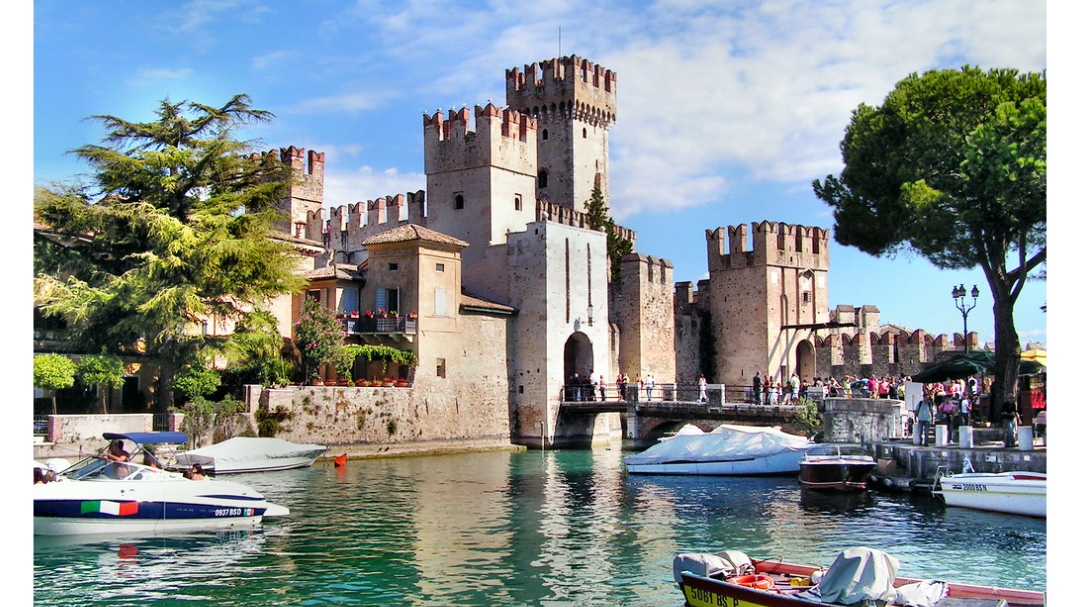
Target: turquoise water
{"points": [[525, 528]]}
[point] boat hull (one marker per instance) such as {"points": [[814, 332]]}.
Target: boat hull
{"points": [[836, 475], [786, 462], [140, 506], [1021, 493]]}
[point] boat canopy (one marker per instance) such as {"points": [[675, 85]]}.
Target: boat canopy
{"points": [[149, 438], [725, 443], [860, 574]]}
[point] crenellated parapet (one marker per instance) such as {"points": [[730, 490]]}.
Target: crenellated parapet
{"points": [[304, 194], [556, 213], [345, 227], [565, 88], [772, 243], [502, 138]]}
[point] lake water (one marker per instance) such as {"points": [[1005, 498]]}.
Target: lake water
{"points": [[524, 528]]}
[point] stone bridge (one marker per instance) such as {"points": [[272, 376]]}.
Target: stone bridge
{"points": [[647, 420]]}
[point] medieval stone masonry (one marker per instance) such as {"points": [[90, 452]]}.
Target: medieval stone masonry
{"points": [[508, 287]]}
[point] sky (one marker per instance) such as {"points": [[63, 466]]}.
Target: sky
{"points": [[726, 110]]}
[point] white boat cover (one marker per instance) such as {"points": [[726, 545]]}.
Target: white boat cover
{"points": [[245, 452], [860, 574], [725, 443], [687, 430], [725, 563]]}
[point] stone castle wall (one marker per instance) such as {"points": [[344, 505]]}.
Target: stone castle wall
{"points": [[642, 306]]}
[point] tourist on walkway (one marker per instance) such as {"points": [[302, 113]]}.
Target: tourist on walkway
{"points": [[1009, 419], [794, 387], [620, 381], [757, 388], [924, 418], [601, 387], [702, 387], [649, 386]]}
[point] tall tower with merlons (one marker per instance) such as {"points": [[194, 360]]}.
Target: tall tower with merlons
{"points": [[574, 102]]}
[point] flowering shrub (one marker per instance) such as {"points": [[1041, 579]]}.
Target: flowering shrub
{"points": [[318, 337]]}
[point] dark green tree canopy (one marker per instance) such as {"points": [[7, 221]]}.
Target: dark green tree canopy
{"points": [[176, 228], [952, 166]]}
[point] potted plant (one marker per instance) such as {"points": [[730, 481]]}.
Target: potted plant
{"points": [[412, 315], [388, 382], [361, 383], [354, 314], [393, 314], [369, 315], [402, 383]]}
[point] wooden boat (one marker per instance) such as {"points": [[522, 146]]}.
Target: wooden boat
{"points": [[770, 583], [836, 467], [1023, 493]]}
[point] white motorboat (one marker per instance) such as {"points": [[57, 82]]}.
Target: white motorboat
{"points": [[727, 450], [98, 496], [1010, 492], [243, 454]]}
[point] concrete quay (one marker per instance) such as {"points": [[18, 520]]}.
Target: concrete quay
{"points": [[904, 466]]}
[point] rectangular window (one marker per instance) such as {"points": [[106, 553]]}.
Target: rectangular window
{"points": [[441, 367], [440, 299], [387, 299], [439, 267], [392, 267], [518, 202], [315, 294]]}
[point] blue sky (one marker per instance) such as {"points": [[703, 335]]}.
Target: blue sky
{"points": [[727, 110]]}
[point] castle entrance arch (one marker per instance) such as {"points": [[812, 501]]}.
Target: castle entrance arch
{"points": [[805, 360], [578, 356]]}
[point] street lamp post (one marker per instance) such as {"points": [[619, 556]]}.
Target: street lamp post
{"points": [[959, 295]]}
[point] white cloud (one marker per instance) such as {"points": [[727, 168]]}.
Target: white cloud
{"points": [[272, 59], [155, 77], [346, 102]]}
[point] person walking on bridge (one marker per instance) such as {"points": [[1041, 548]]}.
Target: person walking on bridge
{"points": [[757, 388]]}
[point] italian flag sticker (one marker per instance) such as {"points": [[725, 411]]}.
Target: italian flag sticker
{"points": [[113, 508]]}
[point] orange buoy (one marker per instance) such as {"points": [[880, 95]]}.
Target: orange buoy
{"points": [[759, 581], [340, 461]]}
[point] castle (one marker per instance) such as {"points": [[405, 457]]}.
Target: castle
{"points": [[509, 288]]}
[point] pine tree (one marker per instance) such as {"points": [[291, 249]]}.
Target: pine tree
{"points": [[174, 230], [597, 217]]}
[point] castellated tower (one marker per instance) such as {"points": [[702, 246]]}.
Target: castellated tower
{"points": [[641, 305], [305, 194], [574, 102], [766, 302], [481, 182]]}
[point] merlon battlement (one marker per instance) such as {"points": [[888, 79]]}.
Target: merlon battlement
{"points": [[772, 243], [551, 71], [349, 224], [512, 124], [557, 213], [294, 158]]}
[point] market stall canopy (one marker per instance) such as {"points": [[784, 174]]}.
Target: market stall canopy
{"points": [[965, 365], [1038, 356]]}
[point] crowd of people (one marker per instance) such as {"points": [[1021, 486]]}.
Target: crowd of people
{"points": [[581, 388]]}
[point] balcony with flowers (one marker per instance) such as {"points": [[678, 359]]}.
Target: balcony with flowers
{"points": [[375, 326]]}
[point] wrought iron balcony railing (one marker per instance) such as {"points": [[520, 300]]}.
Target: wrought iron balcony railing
{"points": [[363, 324]]}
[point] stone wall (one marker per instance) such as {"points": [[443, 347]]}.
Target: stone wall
{"points": [[860, 420], [76, 436]]}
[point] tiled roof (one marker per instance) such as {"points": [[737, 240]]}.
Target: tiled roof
{"points": [[410, 232], [339, 272], [473, 301]]}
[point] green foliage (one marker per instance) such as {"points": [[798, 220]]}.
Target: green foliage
{"points": [[387, 354], [53, 372], [179, 216], [270, 422], [598, 218], [217, 421], [806, 418], [953, 167], [195, 382], [318, 336], [100, 370]]}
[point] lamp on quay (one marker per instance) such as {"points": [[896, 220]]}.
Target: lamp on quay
{"points": [[959, 295]]}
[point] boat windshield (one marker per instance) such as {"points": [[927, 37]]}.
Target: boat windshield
{"points": [[96, 468], [835, 450]]}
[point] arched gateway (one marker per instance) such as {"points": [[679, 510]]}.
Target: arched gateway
{"points": [[578, 356]]}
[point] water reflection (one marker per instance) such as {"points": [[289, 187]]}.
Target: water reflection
{"points": [[554, 528]]}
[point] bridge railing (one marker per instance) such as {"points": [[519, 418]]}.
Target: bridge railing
{"points": [[660, 393]]}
